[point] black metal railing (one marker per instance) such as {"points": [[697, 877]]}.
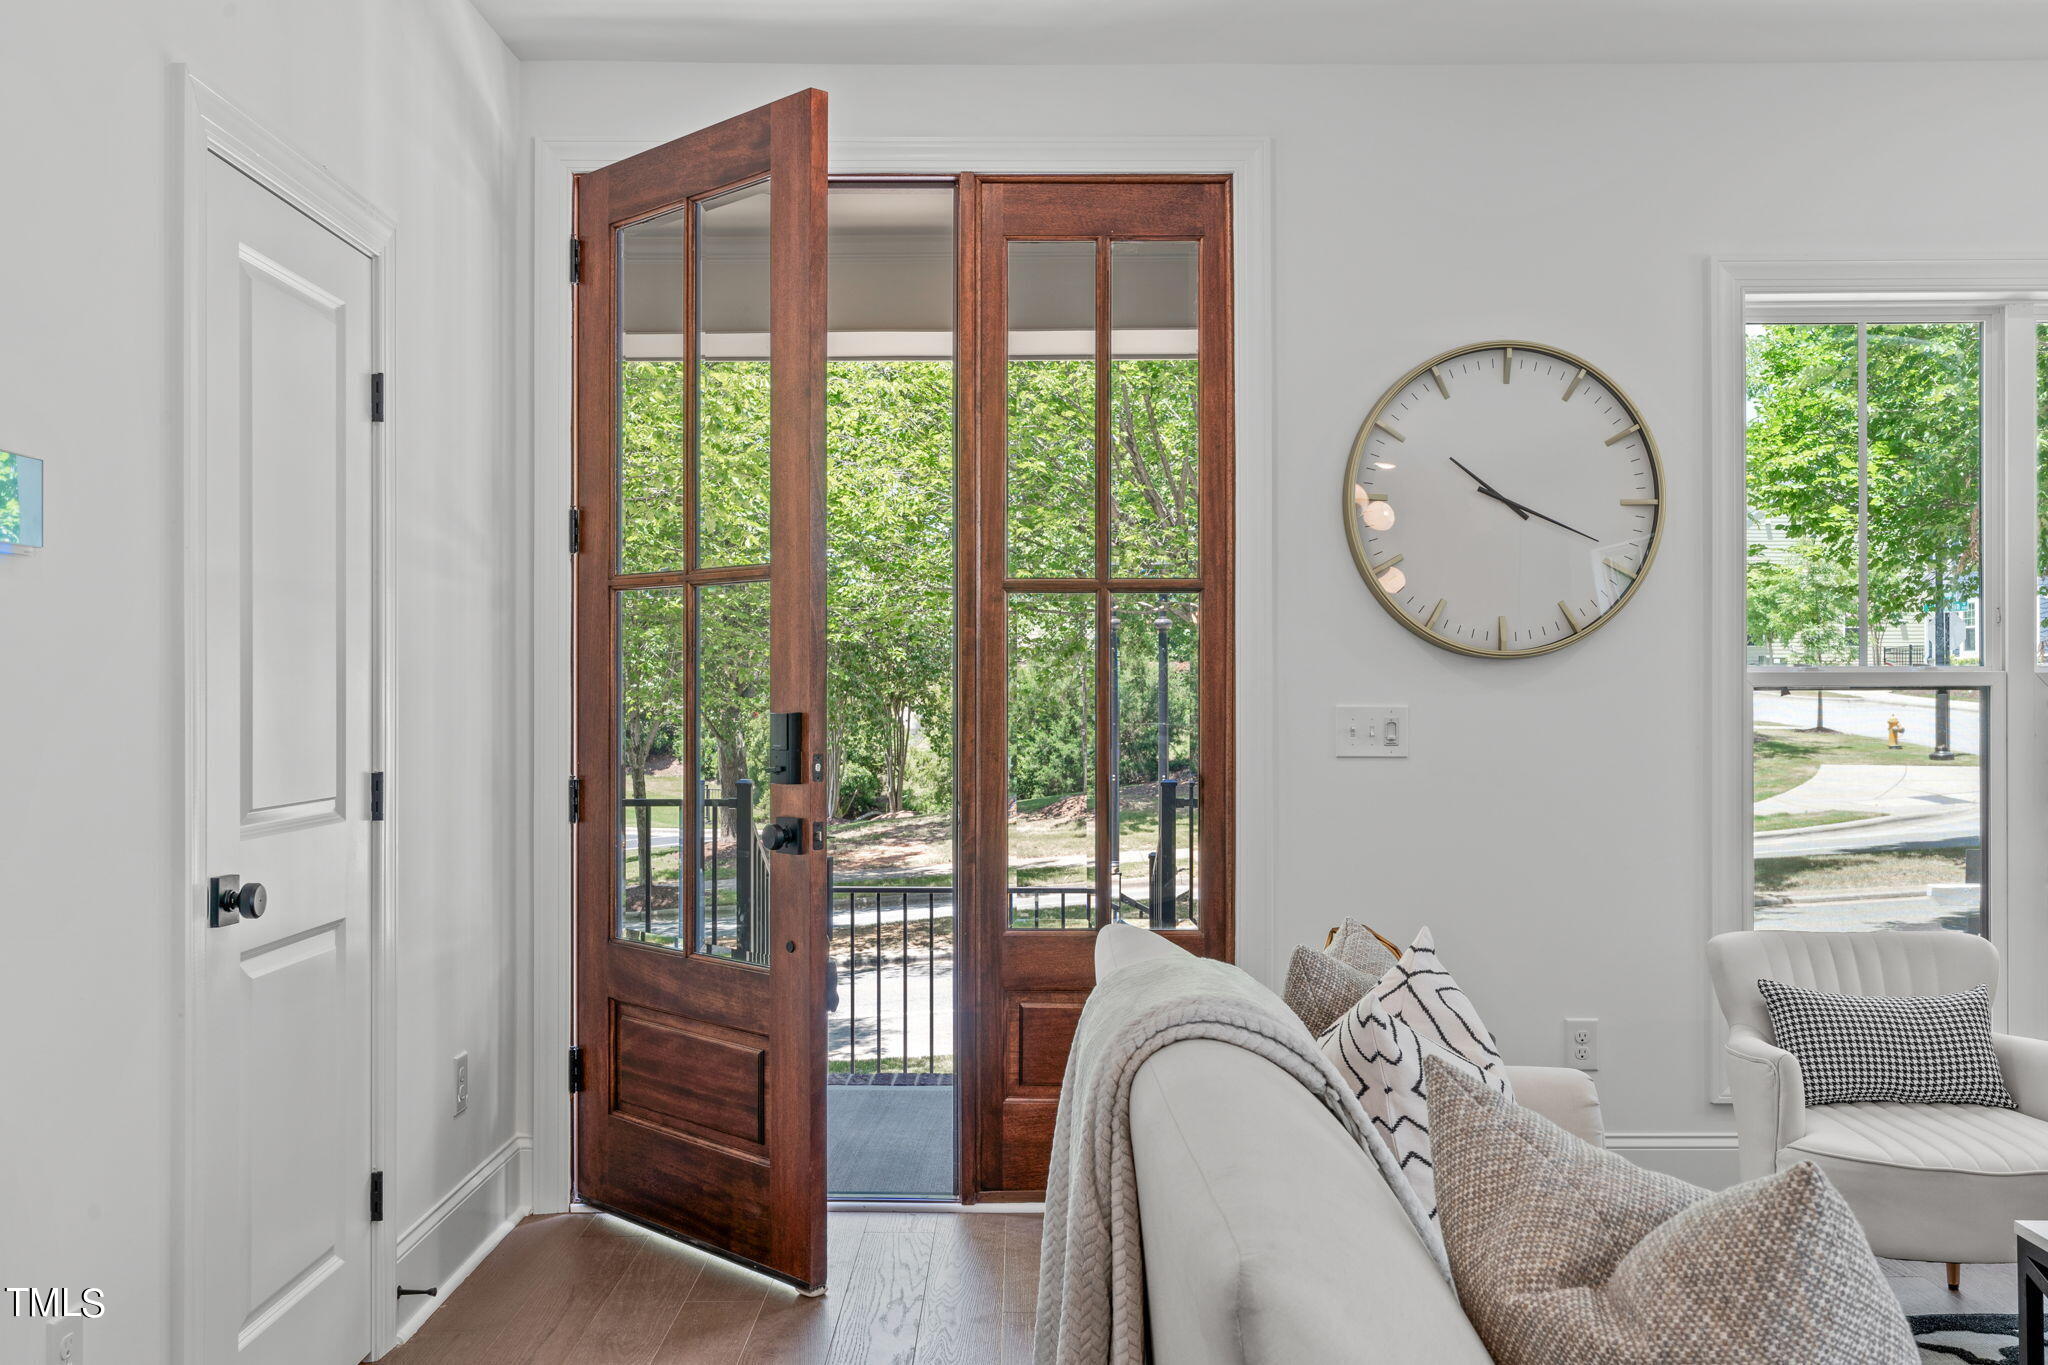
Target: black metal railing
{"points": [[732, 874], [890, 1003]]}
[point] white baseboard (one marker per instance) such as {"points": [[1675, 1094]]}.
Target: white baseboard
{"points": [[452, 1238], [1707, 1159]]}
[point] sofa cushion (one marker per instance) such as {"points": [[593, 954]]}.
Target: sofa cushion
{"points": [[1568, 1255], [1912, 1049], [1940, 1182]]}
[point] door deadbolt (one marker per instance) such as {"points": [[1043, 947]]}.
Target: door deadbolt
{"points": [[230, 901]]}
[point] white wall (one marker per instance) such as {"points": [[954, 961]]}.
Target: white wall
{"points": [[412, 103], [1552, 822]]}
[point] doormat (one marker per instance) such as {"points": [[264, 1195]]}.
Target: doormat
{"points": [[1968, 1338], [890, 1078]]}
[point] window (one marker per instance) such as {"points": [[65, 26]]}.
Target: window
{"points": [[1874, 605]]}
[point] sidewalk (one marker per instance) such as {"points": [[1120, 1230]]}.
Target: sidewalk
{"points": [[1880, 788]]}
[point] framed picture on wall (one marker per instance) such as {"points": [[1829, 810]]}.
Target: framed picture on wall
{"points": [[21, 504]]}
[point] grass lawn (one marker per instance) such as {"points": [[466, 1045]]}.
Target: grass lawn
{"points": [[1807, 819], [1876, 871], [1785, 758], [868, 1066]]}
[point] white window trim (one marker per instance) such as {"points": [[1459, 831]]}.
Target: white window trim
{"points": [[2009, 295]]}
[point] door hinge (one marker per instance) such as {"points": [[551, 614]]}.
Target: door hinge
{"points": [[575, 530], [575, 260], [376, 1196], [576, 1070], [575, 800], [376, 796], [377, 396]]}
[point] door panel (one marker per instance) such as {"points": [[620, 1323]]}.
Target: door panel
{"points": [[701, 953], [1096, 754], [283, 1148]]}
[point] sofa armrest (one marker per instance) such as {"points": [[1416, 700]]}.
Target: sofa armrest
{"points": [[2024, 1063], [1770, 1099], [1564, 1096]]}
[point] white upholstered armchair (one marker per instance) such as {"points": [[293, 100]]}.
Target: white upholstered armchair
{"points": [[1930, 1182]]}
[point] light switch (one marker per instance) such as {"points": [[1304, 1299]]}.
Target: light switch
{"points": [[1372, 732]]}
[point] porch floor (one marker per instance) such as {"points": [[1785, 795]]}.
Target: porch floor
{"points": [[889, 1140]]}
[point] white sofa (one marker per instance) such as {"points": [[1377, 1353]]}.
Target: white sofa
{"points": [[1269, 1236], [1929, 1182]]}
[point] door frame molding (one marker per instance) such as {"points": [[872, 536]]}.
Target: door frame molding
{"points": [[211, 125], [545, 437]]}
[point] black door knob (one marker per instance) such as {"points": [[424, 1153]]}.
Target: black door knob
{"points": [[249, 901], [784, 833]]}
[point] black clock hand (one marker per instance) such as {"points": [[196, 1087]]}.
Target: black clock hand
{"points": [[1555, 522], [1488, 489]]}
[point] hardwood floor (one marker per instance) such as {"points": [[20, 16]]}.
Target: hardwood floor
{"points": [[1922, 1287], [930, 1288], [583, 1289]]}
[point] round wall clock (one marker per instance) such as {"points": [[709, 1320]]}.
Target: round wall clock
{"points": [[1502, 499]]}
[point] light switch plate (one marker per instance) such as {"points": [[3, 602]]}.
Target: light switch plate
{"points": [[1372, 731]]}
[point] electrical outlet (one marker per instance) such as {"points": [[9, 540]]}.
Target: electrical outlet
{"points": [[1582, 1044], [66, 1342], [1372, 732], [461, 1083]]}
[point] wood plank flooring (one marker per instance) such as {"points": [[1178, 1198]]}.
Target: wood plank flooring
{"points": [[583, 1289], [914, 1288]]}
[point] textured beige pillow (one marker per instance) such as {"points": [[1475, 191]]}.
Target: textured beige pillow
{"points": [[1356, 945], [1565, 1254], [1320, 989]]}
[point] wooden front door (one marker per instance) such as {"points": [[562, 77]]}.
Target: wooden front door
{"points": [[700, 612], [1096, 754]]}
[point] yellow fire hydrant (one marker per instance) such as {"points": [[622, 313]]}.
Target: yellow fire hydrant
{"points": [[1896, 730]]}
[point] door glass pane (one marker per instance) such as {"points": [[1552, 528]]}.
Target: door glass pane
{"points": [[1802, 495], [732, 378], [654, 440], [731, 786], [1051, 486], [1926, 489], [653, 627], [2041, 476], [1052, 760], [1153, 639], [1869, 809], [1155, 410]]}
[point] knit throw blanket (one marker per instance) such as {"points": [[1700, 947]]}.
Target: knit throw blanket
{"points": [[1091, 1288]]}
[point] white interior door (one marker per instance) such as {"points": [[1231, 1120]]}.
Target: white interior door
{"points": [[283, 1030]]}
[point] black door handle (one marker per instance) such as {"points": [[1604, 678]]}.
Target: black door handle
{"points": [[783, 834], [230, 900]]}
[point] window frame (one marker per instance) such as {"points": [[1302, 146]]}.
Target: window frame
{"points": [[2010, 296]]}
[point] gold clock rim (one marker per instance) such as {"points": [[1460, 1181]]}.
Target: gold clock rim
{"points": [[1355, 535]]}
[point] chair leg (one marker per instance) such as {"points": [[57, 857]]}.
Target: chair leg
{"points": [[1955, 1277]]}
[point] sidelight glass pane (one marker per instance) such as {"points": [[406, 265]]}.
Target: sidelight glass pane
{"points": [[2041, 477], [1802, 483], [653, 626], [1153, 643], [1051, 407], [732, 378], [1925, 383], [1052, 761], [1154, 456], [654, 432], [731, 781], [1869, 809]]}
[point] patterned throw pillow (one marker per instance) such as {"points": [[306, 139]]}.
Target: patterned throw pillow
{"points": [[1564, 1254], [1907, 1049], [1319, 988], [1420, 990], [1380, 1056]]}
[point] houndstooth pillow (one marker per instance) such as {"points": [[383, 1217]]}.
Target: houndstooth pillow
{"points": [[1567, 1255], [1905, 1049], [1380, 1056]]}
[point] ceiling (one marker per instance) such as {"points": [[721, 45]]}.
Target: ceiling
{"points": [[1285, 31]]}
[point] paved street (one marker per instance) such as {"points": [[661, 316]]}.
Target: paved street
{"points": [[1867, 714]]}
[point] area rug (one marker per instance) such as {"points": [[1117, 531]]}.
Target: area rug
{"points": [[1967, 1338]]}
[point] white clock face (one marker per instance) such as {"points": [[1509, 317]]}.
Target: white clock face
{"points": [[1503, 499]]}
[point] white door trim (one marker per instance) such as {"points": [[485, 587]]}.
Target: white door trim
{"points": [[548, 444], [212, 126], [2002, 290]]}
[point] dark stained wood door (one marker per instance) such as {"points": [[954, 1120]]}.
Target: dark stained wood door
{"points": [[700, 612], [1097, 697]]}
